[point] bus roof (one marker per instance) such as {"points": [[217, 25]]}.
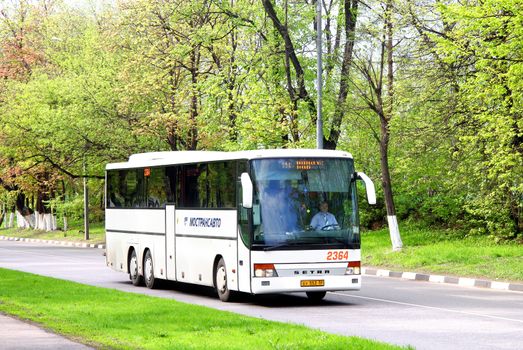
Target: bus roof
{"points": [[186, 157]]}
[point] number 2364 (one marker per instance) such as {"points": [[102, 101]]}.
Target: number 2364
{"points": [[338, 255]]}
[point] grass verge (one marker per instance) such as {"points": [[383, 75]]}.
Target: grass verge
{"points": [[108, 318], [446, 252], [75, 234]]}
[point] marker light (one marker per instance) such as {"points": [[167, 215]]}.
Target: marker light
{"points": [[353, 268], [265, 270]]}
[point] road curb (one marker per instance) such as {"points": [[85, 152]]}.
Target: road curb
{"points": [[461, 281], [64, 243]]}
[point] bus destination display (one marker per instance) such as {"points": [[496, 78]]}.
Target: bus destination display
{"points": [[303, 164]]}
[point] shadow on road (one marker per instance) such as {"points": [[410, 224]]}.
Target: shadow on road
{"points": [[264, 300]]}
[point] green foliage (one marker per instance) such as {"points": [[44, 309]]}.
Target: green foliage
{"points": [[91, 87], [489, 36]]}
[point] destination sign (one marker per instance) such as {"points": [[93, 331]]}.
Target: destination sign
{"points": [[303, 164]]}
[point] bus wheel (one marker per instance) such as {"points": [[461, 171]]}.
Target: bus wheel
{"points": [[133, 270], [316, 296], [148, 272], [221, 281]]}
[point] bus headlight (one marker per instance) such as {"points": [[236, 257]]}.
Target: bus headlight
{"points": [[353, 268], [264, 270]]}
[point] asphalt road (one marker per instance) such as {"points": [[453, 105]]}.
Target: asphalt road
{"points": [[422, 314]]}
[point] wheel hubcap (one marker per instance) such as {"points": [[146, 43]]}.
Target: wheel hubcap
{"points": [[221, 279], [134, 267], [148, 269]]}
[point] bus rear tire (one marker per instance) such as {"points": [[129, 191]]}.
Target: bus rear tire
{"points": [[221, 282], [134, 275], [316, 296], [148, 271]]}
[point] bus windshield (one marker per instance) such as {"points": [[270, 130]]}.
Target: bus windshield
{"points": [[304, 203]]}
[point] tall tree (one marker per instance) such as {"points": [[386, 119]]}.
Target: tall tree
{"points": [[376, 89], [296, 87], [172, 52], [350, 16]]}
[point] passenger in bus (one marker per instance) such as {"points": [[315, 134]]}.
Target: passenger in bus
{"points": [[278, 211], [323, 220]]}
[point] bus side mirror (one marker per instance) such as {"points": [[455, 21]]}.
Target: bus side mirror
{"points": [[369, 186], [247, 191]]}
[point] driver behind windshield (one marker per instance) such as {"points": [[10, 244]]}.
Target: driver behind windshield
{"points": [[323, 219]]}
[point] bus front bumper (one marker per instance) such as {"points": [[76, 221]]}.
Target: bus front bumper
{"points": [[266, 285]]}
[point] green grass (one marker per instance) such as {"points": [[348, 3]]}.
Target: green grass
{"points": [[446, 252], [75, 233], [108, 318]]}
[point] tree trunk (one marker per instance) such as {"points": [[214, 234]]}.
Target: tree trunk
{"points": [[351, 7], [231, 84], [301, 91], [64, 201], [11, 220], [395, 237], [193, 132], [3, 215], [387, 187], [25, 216]]}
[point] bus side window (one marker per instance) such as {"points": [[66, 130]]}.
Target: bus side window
{"points": [[124, 188], [195, 186], [114, 197], [136, 188], [156, 189], [221, 187], [170, 184]]}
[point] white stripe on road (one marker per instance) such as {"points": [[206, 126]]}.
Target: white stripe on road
{"points": [[427, 307]]}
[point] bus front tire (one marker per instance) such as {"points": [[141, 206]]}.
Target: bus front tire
{"points": [[134, 275], [221, 282], [316, 296], [148, 271]]}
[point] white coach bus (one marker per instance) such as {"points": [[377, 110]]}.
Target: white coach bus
{"points": [[237, 221]]}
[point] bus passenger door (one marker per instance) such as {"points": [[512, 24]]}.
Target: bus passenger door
{"points": [[170, 214], [244, 256]]}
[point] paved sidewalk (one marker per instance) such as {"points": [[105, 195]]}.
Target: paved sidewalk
{"points": [[18, 335]]}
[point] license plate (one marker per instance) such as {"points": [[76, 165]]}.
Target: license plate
{"points": [[312, 283]]}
